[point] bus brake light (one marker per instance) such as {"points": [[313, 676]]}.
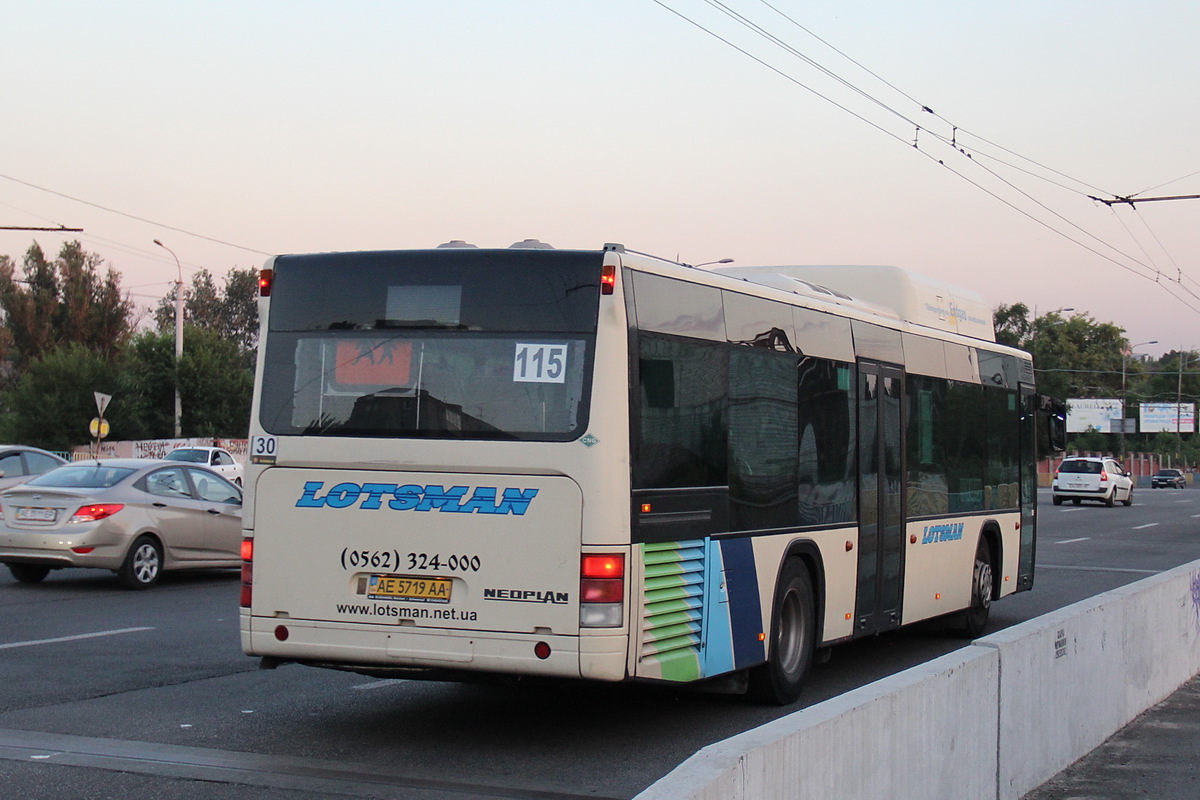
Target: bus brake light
{"points": [[265, 278], [247, 572], [605, 566], [608, 278]]}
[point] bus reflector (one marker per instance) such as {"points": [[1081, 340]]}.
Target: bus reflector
{"points": [[608, 278], [265, 278], [602, 590], [247, 572], [541, 650]]}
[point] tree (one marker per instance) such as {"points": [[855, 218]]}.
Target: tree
{"points": [[62, 302], [53, 400], [214, 385], [231, 312], [1012, 324]]}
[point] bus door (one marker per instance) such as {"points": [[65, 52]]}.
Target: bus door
{"points": [[881, 497]]}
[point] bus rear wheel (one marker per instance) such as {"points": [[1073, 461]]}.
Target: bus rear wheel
{"points": [[793, 639]]}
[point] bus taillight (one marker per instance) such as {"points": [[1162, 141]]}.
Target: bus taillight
{"points": [[608, 278], [247, 571], [265, 278], [602, 590]]}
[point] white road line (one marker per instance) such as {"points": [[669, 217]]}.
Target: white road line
{"points": [[74, 638], [379, 684], [1073, 541], [1147, 525]]}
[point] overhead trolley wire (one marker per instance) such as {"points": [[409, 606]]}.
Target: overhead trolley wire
{"points": [[133, 216], [952, 140]]}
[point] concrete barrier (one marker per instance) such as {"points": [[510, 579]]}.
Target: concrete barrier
{"points": [[1072, 678], [993, 720]]}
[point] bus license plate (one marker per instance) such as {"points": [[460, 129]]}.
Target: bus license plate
{"points": [[400, 587]]}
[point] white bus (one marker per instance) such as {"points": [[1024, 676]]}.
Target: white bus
{"points": [[604, 465]]}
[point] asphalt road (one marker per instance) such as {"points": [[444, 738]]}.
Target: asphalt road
{"points": [[108, 693]]}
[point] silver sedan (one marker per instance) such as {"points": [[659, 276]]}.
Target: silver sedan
{"points": [[135, 517]]}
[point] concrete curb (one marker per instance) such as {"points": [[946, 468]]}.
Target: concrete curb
{"points": [[993, 720]]}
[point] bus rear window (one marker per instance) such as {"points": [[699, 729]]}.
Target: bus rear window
{"points": [[431, 344]]}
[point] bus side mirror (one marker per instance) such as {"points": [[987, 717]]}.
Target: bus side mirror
{"points": [[1054, 412]]}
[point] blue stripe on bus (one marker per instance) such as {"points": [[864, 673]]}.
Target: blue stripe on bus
{"points": [[745, 610]]}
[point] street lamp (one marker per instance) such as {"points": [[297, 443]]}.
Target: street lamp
{"points": [[178, 336], [1124, 359]]}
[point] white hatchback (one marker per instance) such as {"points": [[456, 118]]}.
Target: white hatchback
{"points": [[1101, 479]]}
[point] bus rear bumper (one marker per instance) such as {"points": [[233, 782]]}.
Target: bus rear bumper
{"points": [[375, 650]]}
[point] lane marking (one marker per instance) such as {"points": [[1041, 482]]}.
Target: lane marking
{"points": [[1073, 541], [305, 776], [1101, 569], [1147, 525], [379, 684], [74, 638]]}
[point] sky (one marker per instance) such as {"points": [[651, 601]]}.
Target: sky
{"points": [[959, 140]]}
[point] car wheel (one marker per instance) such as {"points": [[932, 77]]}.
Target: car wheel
{"points": [[1110, 499], [793, 638], [1128, 501], [1056, 500], [143, 564], [975, 617], [28, 573]]}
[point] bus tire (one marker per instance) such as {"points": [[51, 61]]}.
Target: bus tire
{"points": [[975, 617], [793, 639]]}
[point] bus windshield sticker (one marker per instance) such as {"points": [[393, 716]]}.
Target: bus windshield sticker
{"points": [[373, 362], [540, 363]]}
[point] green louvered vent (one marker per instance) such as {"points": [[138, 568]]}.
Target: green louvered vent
{"points": [[672, 607]]}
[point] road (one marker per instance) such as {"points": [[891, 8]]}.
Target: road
{"points": [[109, 693]]}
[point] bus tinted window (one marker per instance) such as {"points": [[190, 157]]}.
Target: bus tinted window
{"points": [[551, 291], [432, 344]]}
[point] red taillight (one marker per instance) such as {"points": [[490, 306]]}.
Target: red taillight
{"points": [[247, 572], [83, 551], [608, 278], [95, 512], [265, 278], [1103, 475], [603, 566], [602, 590]]}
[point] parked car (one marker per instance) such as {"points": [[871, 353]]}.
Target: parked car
{"points": [[19, 463], [1168, 478], [136, 517], [1102, 479], [217, 459]]}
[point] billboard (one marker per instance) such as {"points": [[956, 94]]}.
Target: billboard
{"points": [[1168, 417], [1090, 412]]}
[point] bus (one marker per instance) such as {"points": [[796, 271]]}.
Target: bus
{"points": [[478, 463]]}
